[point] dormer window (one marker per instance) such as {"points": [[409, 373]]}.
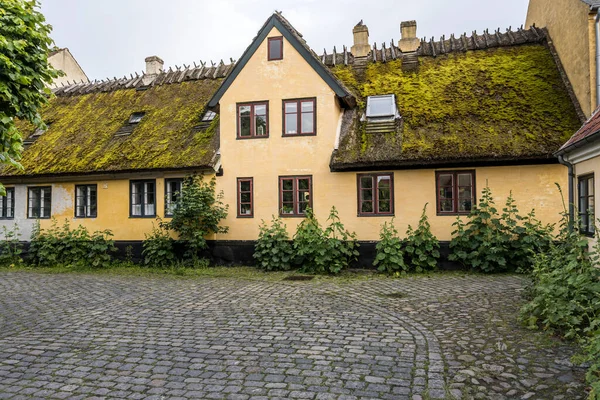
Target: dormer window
{"points": [[136, 117], [275, 48], [382, 106], [209, 116], [40, 131]]}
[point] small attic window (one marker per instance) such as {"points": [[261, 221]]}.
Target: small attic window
{"points": [[136, 117], [275, 48], [40, 131], [209, 116], [381, 106]]}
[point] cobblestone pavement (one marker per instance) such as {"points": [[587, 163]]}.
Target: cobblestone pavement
{"points": [[445, 336]]}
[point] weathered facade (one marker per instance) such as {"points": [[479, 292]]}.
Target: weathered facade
{"points": [[377, 136], [63, 60]]}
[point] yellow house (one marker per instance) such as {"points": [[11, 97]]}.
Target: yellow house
{"points": [[377, 132], [574, 26]]}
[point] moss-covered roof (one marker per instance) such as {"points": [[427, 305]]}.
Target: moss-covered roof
{"points": [[82, 127], [505, 103]]}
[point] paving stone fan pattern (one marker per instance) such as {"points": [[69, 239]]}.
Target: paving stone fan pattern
{"points": [[439, 337]]}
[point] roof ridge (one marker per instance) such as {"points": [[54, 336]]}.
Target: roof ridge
{"points": [[166, 76], [444, 45]]}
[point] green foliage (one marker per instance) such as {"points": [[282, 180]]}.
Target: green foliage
{"points": [[419, 251], [61, 245], [390, 251], [197, 213], [11, 247], [158, 248], [324, 251], [565, 295], [493, 242], [24, 72], [273, 251], [422, 248]]}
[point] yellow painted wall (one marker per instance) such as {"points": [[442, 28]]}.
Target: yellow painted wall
{"points": [[113, 207], [571, 28]]}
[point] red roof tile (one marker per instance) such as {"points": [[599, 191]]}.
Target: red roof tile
{"points": [[590, 127]]}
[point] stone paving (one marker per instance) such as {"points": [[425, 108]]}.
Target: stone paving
{"points": [[439, 337]]}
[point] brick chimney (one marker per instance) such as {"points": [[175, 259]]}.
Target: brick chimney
{"points": [[154, 66], [408, 37], [361, 47]]}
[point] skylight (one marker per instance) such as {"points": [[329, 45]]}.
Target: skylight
{"points": [[136, 117], [209, 116], [381, 106]]}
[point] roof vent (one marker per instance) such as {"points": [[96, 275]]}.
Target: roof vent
{"points": [[35, 135], [408, 41], [127, 128]]}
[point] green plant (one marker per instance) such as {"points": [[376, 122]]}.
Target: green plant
{"points": [[324, 251], [11, 247], [421, 247], [24, 73], [158, 249], [390, 253], [61, 245], [493, 242], [273, 250], [197, 213]]}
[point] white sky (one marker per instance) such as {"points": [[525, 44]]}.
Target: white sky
{"points": [[112, 37]]}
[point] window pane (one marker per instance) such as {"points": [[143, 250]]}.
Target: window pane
{"points": [[291, 107], [287, 208], [291, 123], [245, 209], [446, 192], [380, 106], [261, 125], [287, 184], [384, 206], [260, 109], [366, 182], [366, 207], [302, 207], [245, 197], [46, 203], [275, 47], [245, 186], [367, 194], [307, 106], [288, 197], [590, 186], [464, 179], [244, 120], [307, 123], [303, 184], [446, 205], [445, 180]]}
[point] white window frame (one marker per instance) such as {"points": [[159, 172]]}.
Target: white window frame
{"points": [[393, 109]]}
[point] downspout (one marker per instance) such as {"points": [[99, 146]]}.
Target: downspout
{"points": [[597, 26], [571, 174]]}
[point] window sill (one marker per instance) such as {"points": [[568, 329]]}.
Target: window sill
{"points": [[252, 137], [292, 215], [245, 216], [38, 217], [374, 215], [142, 216], [454, 214], [298, 134]]}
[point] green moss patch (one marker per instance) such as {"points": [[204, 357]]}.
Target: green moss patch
{"points": [[505, 102], [81, 137]]}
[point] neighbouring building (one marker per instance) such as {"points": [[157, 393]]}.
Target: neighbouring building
{"points": [[574, 26], [376, 131], [63, 60]]}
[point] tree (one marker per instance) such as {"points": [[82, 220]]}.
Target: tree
{"points": [[24, 73]]}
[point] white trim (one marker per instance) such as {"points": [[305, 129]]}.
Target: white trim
{"points": [[584, 153]]}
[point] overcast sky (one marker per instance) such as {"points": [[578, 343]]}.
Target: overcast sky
{"points": [[112, 37]]}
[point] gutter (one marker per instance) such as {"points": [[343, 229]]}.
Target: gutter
{"points": [[571, 174]]}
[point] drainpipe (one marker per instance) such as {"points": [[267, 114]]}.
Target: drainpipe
{"points": [[597, 26], [571, 174]]}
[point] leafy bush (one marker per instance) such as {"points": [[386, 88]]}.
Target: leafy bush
{"points": [[419, 251], [158, 249], [273, 249], [565, 295], [324, 251], [11, 247], [197, 213], [61, 245], [422, 248], [390, 252], [493, 242]]}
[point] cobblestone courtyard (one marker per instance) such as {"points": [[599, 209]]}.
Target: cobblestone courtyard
{"points": [[104, 336]]}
